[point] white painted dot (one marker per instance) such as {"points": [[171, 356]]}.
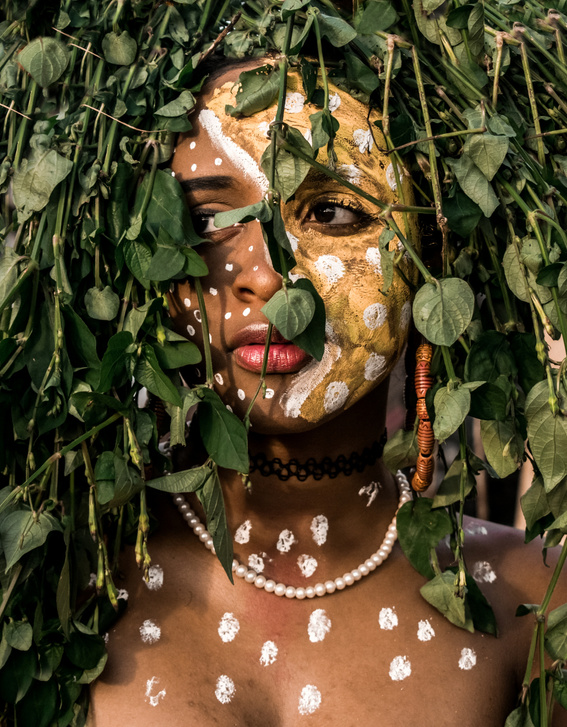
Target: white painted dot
{"points": [[246, 312], [371, 491], [294, 102], [374, 366], [242, 534], [154, 698], [255, 268], [192, 145], [229, 626], [374, 316], [213, 291], [374, 258], [269, 653], [482, 572], [467, 660], [210, 338], [334, 102], [228, 406], [172, 174], [150, 632], [388, 619], [241, 394], [335, 396], [227, 315], [310, 699], [319, 625], [476, 530], [269, 393], [187, 302], [307, 565], [218, 161], [219, 379], [229, 267], [391, 176], [123, 594], [319, 529], [285, 541], [190, 330], [350, 172], [155, 578], [197, 314], [400, 668], [250, 248], [225, 689], [193, 167], [331, 267], [363, 139], [256, 562], [425, 631]]}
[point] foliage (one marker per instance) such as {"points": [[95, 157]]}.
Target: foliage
{"points": [[94, 228]]}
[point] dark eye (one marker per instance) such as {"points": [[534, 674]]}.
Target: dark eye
{"points": [[204, 223], [333, 214]]}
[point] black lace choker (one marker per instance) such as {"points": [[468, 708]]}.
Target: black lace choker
{"points": [[327, 467]]}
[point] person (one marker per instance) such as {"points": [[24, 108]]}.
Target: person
{"points": [[195, 649]]}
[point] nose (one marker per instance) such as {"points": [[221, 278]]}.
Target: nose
{"points": [[256, 277]]}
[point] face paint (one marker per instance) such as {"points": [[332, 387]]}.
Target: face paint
{"points": [[331, 267], [482, 572], [285, 541], [241, 394], [425, 631], [123, 594], [153, 699], [213, 291], [155, 578], [225, 689], [319, 529], [246, 312], [371, 491], [400, 668], [187, 303], [229, 626], [150, 632], [190, 330], [269, 653], [363, 139], [319, 625], [307, 565], [310, 699], [388, 619], [467, 660], [374, 258], [294, 103], [256, 562], [242, 534], [219, 379], [374, 366]]}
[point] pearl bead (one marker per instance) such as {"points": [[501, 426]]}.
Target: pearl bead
{"points": [[270, 586], [340, 583], [209, 543], [250, 576], [290, 592], [384, 552], [241, 571], [184, 507], [376, 558], [370, 564], [300, 594], [310, 592], [363, 569], [320, 589], [178, 500], [348, 579], [356, 574], [280, 589], [198, 529], [235, 564], [389, 540], [204, 536], [192, 521], [260, 581], [330, 586]]}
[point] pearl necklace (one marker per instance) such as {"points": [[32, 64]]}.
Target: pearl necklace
{"points": [[320, 589]]}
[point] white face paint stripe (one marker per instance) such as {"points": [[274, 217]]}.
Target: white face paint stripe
{"points": [[240, 158]]}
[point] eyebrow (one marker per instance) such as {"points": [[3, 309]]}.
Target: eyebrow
{"points": [[317, 177], [199, 184]]}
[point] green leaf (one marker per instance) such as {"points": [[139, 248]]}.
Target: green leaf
{"points": [[463, 215], [312, 340], [167, 208], [176, 355], [119, 48], [80, 339], [179, 416], [166, 263], [451, 408], [45, 59], [386, 258], [419, 530], [324, 126], [401, 450], [138, 258], [490, 357], [186, 481], [290, 311], [556, 633], [19, 635], [475, 27], [534, 503], [432, 25], [547, 435], [17, 675], [259, 211], [290, 169], [503, 446], [178, 107], [258, 90], [148, 373], [487, 152], [360, 76], [63, 594], [443, 311], [85, 648], [194, 266], [223, 434], [336, 30], [474, 184], [479, 608], [518, 277], [20, 533], [489, 402], [449, 490], [102, 305], [114, 360], [36, 178], [5, 649], [211, 498], [530, 368], [459, 17], [441, 592], [377, 15], [290, 6], [127, 482]]}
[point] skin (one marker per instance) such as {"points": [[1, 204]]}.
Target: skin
{"points": [[350, 666]]}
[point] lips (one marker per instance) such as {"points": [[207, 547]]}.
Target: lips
{"points": [[284, 357]]}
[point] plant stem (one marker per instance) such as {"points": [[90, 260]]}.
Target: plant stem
{"points": [[205, 327]]}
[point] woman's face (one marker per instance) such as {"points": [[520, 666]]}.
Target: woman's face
{"points": [[335, 236]]}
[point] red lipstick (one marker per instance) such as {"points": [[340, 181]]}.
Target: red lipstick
{"points": [[284, 357]]}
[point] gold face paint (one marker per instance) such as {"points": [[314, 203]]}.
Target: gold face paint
{"points": [[336, 236]]}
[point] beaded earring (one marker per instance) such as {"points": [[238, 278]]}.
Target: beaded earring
{"points": [[425, 438]]}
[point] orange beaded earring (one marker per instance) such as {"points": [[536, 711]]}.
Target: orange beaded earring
{"points": [[425, 438]]}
